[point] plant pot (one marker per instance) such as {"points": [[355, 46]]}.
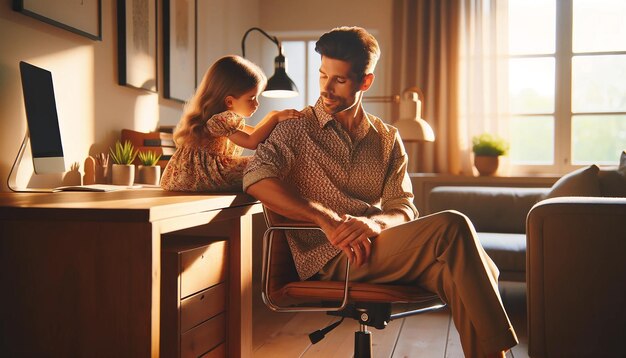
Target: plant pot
{"points": [[149, 174], [122, 174], [486, 165]]}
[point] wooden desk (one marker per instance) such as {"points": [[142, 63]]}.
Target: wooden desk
{"points": [[80, 273]]}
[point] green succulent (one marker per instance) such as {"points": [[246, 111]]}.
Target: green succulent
{"points": [[149, 158], [488, 145], [123, 154]]}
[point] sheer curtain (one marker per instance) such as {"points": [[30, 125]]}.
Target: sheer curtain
{"points": [[483, 73], [454, 50]]}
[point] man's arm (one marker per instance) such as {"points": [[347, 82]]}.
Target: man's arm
{"points": [[281, 198]]}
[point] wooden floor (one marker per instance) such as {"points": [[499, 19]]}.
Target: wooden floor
{"points": [[278, 335]]}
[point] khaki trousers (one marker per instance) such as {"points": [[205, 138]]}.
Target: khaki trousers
{"points": [[442, 254]]}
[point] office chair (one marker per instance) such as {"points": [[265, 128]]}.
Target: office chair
{"points": [[370, 304]]}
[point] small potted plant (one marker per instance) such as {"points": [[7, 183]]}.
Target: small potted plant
{"points": [[487, 151], [149, 172], [123, 169]]}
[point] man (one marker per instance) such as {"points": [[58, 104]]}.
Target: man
{"points": [[345, 170]]}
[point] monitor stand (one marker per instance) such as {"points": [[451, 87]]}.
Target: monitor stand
{"points": [[11, 179]]}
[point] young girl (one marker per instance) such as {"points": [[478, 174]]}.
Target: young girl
{"points": [[212, 130]]}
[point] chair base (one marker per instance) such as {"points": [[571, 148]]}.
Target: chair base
{"points": [[371, 314], [363, 344]]}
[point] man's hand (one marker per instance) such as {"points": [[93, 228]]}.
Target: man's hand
{"points": [[353, 235]]}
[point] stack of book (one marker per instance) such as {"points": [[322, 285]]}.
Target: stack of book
{"points": [[158, 142]]}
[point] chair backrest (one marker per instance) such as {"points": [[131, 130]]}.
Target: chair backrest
{"points": [[282, 270]]}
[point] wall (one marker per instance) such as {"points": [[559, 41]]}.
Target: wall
{"points": [[92, 107]]}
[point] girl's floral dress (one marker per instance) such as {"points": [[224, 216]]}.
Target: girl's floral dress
{"points": [[214, 165]]}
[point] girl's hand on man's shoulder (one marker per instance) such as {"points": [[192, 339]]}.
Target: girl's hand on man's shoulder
{"points": [[288, 114]]}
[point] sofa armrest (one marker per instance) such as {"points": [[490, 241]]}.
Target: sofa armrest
{"points": [[491, 209], [575, 276]]}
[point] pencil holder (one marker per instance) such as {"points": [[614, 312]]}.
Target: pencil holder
{"points": [[101, 174]]}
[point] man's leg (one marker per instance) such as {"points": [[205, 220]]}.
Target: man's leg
{"points": [[441, 253]]}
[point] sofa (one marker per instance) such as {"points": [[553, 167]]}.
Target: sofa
{"points": [[576, 268], [568, 242], [499, 216]]}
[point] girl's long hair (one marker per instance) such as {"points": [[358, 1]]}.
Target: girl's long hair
{"points": [[228, 76]]}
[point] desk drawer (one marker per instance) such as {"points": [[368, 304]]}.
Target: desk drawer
{"points": [[203, 267], [202, 306], [217, 352], [204, 337]]}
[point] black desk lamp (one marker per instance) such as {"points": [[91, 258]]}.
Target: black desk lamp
{"points": [[279, 85]]}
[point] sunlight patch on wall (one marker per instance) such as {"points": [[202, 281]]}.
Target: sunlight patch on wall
{"points": [[145, 117]]}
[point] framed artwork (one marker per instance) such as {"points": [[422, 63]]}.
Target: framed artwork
{"points": [[137, 46], [83, 17], [179, 49]]}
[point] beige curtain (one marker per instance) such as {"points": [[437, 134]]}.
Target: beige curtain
{"points": [[442, 47], [426, 44]]}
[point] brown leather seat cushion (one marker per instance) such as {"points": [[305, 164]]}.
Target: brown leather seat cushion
{"points": [[357, 292]]}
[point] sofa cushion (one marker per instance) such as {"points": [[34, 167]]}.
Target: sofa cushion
{"points": [[491, 209], [580, 182], [612, 183], [508, 252]]}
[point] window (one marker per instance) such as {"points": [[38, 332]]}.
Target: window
{"points": [[567, 83]]}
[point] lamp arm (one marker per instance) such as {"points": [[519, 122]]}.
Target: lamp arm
{"points": [[272, 38]]}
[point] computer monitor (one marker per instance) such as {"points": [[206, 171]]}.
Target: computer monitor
{"points": [[42, 118]]}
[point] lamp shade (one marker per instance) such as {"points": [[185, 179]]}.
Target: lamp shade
{"points": [[415, 130], [411, 126], [280, 85]]}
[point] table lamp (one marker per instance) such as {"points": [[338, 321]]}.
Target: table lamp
{"points": [[279, 85]]}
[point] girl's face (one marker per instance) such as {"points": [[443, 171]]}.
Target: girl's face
{"points": [[246, 104]]}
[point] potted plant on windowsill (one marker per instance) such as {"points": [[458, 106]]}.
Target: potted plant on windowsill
{"points": [[123, 169], [149, 172], [487, 150]]}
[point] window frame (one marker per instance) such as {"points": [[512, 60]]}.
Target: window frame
{"points": [[563, 114]]}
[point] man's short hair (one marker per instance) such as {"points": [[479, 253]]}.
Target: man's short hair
{"points": [[350, 44]]}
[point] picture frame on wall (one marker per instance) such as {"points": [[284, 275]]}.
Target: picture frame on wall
{"points": [[82, 17], [137, 44], [179, 49]]}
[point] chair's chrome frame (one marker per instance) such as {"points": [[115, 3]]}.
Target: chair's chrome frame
{"points": [[267, 259]]}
